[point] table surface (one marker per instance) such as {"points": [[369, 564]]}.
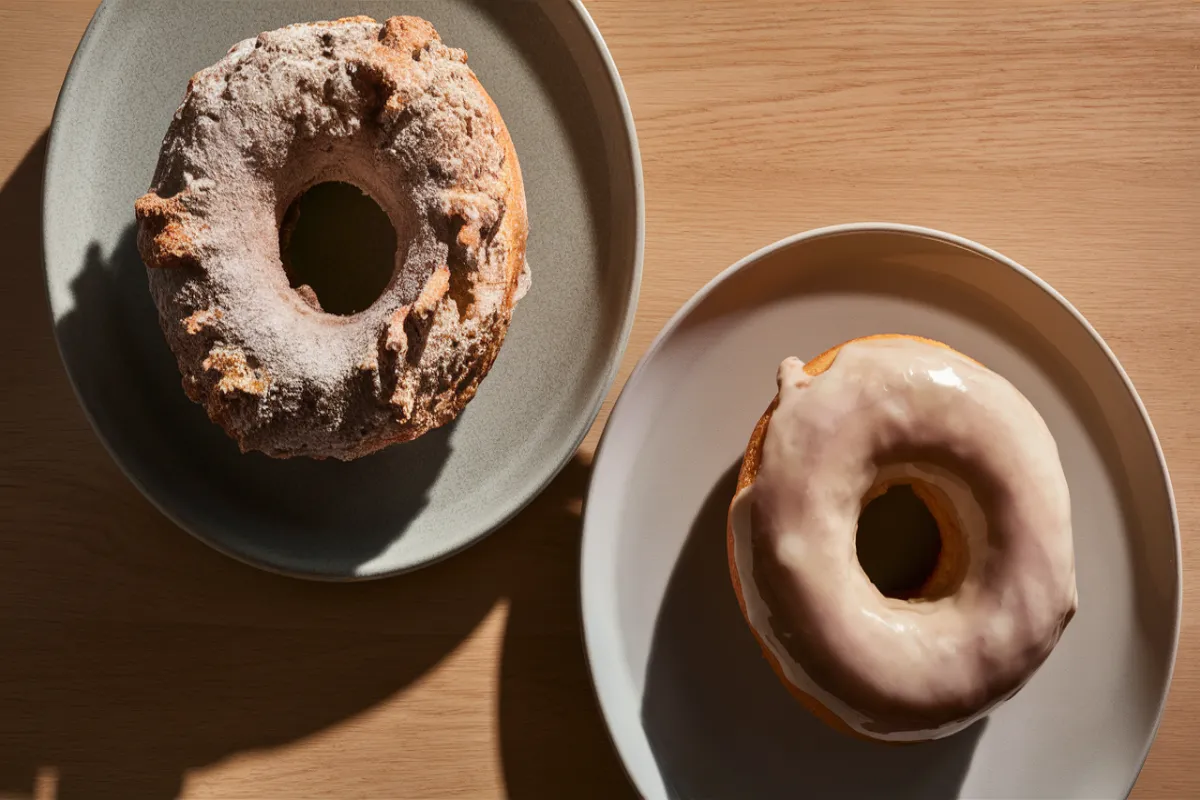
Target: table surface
{"points": [[137, 662]]}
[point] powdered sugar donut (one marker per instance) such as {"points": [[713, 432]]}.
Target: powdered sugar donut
{"points": [[388, 108]]}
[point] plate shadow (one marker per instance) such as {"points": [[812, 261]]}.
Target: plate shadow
{"points": [[134, 654]]}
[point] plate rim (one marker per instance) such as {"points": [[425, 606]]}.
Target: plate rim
{"points": [[565, 452], [590, 594]]}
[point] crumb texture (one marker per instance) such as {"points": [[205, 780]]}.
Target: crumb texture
{"points": [[391, 109]]}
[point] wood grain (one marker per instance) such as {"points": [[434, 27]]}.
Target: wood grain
{"points": [[138, 663]]}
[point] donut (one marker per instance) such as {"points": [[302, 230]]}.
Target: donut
{"points": [[391, 110], [860, 418]]}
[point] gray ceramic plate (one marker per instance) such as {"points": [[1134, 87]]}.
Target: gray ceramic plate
{"points": [[549, 72], [694, 708]]}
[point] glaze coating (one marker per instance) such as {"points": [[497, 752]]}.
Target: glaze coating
{"points": [[888, 409]]}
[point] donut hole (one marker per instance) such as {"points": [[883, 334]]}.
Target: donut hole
{"points": [[338, 248], [899, 543]]}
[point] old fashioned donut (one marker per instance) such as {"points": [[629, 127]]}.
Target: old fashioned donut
{"points": [[387, 108], [859, 418]]}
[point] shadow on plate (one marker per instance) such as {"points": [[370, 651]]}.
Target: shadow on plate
{"points": [[722, 725], [132, 654], [112, 340]]}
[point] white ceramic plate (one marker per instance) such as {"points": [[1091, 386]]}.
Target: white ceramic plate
{"points": [[549, 72], [692, 705]]}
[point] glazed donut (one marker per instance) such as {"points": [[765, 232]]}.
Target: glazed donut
{"points": [[393, 111], [859, 418]]}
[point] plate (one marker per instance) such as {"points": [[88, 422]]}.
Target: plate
{"points": [[549, 72], [692, 705]]}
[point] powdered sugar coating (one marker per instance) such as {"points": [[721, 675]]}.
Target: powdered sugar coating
{"points": [[394, 111]]}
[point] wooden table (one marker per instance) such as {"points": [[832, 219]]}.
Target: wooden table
{"points": [[135, 662]]}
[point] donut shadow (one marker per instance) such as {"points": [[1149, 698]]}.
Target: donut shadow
{"points": [[297, 514], [721, 724]]}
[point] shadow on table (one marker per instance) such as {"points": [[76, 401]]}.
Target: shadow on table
{"points": [[132, 653], [720, 723]]}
